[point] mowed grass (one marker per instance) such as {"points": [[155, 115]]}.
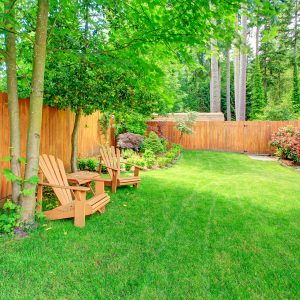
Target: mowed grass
{"points": [[216, 225]]}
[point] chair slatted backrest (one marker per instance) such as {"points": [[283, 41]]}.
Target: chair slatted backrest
{"points": [[110, 158], [54, 171]]}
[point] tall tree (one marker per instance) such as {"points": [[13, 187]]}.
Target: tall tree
{"points": [[12, 92], [257, 92], [236, 72], [243, 69], [228, 100], [35, 111], [296, 92], [215, 100]]}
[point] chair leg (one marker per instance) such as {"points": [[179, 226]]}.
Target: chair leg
{"points": [[79, 216], [101, 210], [114, 182], [135, 186], [99, 187]]}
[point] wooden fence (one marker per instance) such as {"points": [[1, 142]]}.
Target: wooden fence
{"points": [[232, 136], [56, 133]]}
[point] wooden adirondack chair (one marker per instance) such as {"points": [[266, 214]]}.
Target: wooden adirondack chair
{"points": [[111, 158], [76, 207]]}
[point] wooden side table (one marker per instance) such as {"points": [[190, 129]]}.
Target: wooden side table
{"points": [[86, 177]]}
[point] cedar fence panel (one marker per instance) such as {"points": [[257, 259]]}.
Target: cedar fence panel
{"points": [[56, 133], [232, 136]]}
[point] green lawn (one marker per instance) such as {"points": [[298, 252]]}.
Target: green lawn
{"points": [[216, 225]]}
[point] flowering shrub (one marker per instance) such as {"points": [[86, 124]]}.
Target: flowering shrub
{"points": [[130, 140], [287, 143]]}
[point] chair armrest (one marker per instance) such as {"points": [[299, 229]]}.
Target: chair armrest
{"points": [[72, 187], [114, 169], [136, 166]]}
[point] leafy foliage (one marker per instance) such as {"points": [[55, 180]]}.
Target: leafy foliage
{"points": [[277, 112], [130, 141], [287, 142], [9, 217], [152, 143], [257, 92], [149, 158], [185, 125]]}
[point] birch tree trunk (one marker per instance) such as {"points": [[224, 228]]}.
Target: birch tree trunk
{"points": [[243, 71], [228, 105], [35, 113], [236, 75], [215, 103], [13, 102], [74, 141]]}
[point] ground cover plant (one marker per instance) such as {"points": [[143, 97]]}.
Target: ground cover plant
{"points": [[216, 225]]}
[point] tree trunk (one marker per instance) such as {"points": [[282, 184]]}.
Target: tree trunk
{"points": [[35, 113], [228, 105], [296, 92], [243, 70], [13, 102], [75, 141], [215, 103], [236, 75], [257, 40]]}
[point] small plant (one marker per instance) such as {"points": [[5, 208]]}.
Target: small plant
{"points": [[149, 158], [127, 153], [130, 141], [82, 163], [162, 161], [9, 217], [164, 144], [134, 160], [287, 143], [153, 143], [185, 126], [92, 163]]}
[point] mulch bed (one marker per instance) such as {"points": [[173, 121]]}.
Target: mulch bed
{"points": [[289, 163]]}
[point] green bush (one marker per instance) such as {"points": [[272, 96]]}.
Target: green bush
{"points": [[171, 154], [164, 145], [81, 163], [92, 163], [9, 217], [149, 158], [127, 153], [153, 143], [135, 160], [162, 161]]}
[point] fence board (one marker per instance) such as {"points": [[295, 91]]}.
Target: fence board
{"points": [[232, 136], [55, 135]]}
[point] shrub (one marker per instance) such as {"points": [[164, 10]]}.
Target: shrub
{"points": [[81, 163], [153, 143], [162, 161], [130, 141], [149, 158], [92, 163], [287, 143], [278, 112], [164, 144], [135, 160], [9, 217], [127, 153], [171, 154]]}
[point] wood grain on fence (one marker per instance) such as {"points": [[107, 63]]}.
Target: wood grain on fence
{"points": [[232, 136], [56, 133]]}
